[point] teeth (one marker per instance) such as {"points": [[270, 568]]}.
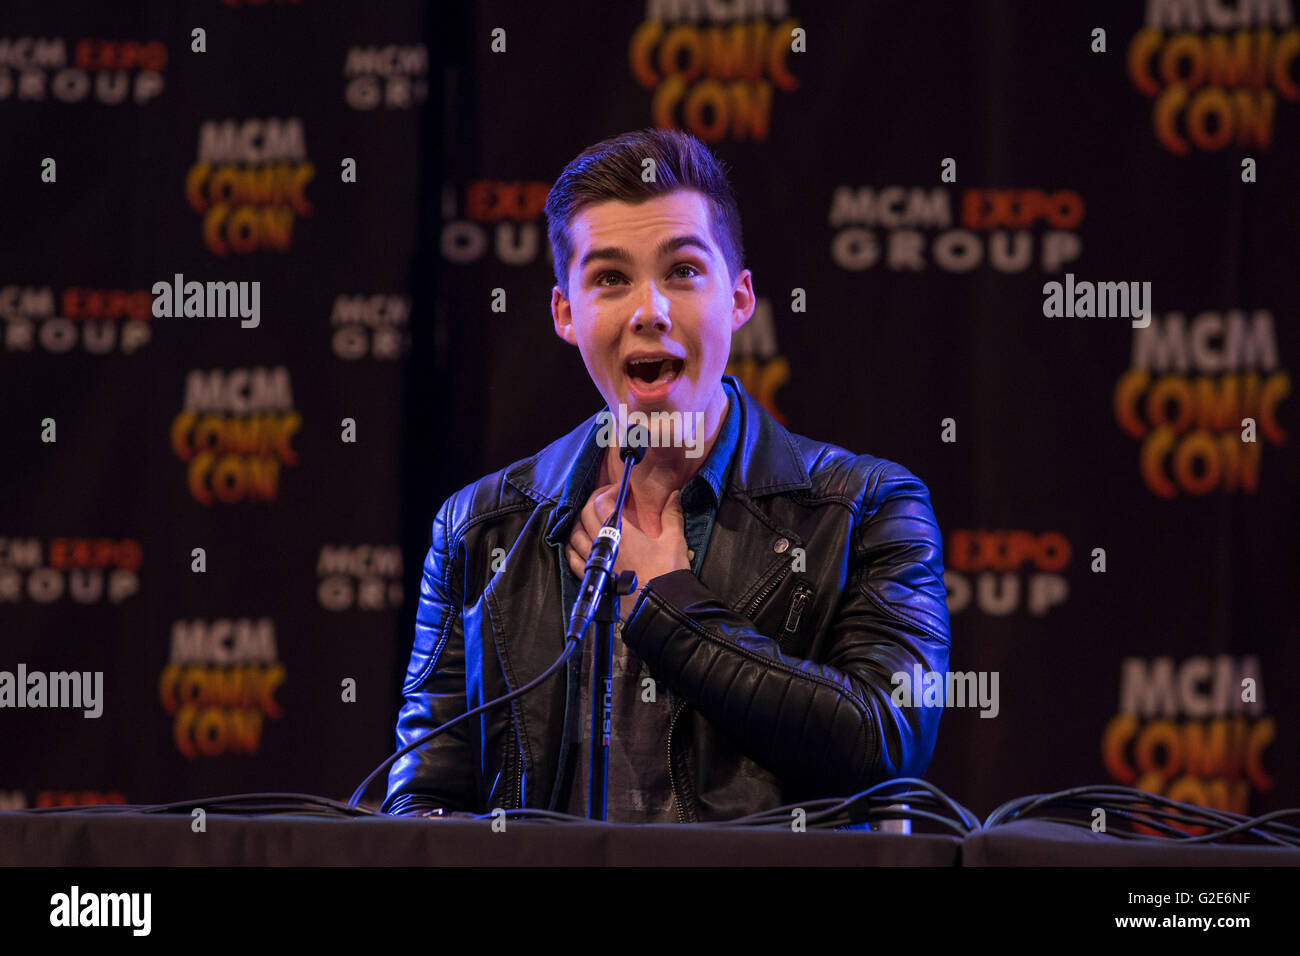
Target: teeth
{"points": [[668, 370]]}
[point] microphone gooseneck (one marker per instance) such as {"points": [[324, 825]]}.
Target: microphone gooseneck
{"points": [[604, 549]]}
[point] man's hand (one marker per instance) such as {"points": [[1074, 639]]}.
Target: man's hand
{"points": [[649, 556]]}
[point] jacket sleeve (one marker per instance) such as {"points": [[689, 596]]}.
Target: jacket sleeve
{"points": [[440, 773], [830, 725]]}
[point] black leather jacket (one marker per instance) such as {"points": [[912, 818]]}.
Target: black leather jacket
{"points": [[781, 673]]}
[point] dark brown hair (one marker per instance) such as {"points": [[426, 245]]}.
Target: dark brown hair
{"points": [[612, 170]]}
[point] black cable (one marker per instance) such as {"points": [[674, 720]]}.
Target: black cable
{"points": [[827, 807], [1114, 799], [217, 804], [897, 813], [822, 813], [539, 813], [1135, 806], [928, 796], [360, 791], [882, 800], [782, 812], [1249, 824]]}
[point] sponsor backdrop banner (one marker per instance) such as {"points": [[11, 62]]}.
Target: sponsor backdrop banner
{"points": [[202, 497], [1039, 254]]}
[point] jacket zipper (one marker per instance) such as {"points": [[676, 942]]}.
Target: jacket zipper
{"points": [[672, 779], [801, 595], [771, 586], [519, 756], [520, 750]]}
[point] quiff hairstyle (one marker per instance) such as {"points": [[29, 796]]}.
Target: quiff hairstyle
{"points": [[612, 170]]}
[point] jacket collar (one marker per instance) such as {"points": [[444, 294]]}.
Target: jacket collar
{"points": [[766, 463]]}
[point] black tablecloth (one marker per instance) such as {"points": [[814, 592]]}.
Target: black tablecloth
{"points": [[121, 839], [1042, 843]]}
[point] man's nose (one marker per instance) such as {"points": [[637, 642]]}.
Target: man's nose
{"points": [[651, 312]]}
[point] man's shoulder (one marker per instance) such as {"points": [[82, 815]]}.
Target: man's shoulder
{"points": [[521, 485], [857, 479]]}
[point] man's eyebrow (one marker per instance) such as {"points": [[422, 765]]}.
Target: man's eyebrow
{"points": [[619, 254]]}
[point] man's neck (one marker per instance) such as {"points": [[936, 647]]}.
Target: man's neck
{"points": [[666, 469]]}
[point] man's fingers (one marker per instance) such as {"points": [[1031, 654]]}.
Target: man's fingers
{"points": [[589, 523], [580, 540], [598, 509], [576, 564]]}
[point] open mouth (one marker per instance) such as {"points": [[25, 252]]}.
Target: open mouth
{"points": [[654, 371]]}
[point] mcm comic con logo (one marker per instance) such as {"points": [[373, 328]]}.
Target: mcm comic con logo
{"points": [[1215, 72], [249, 184]]}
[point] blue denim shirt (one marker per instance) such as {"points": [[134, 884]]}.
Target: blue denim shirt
{"points": [[639, 790]]}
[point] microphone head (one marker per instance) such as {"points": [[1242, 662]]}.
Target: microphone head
{"points": [[634, 446]]}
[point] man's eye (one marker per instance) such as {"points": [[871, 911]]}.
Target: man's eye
{"points": [[600, 279], [685, 265]]}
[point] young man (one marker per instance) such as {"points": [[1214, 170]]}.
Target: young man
{"points": [[783, 581]]}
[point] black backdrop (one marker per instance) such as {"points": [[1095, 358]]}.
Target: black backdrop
{"points": [[924, 303]]}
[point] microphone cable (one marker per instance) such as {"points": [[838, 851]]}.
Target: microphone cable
{"points": [[600, 566], [564, 656]]}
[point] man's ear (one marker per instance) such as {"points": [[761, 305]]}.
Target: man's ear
{"points": [[562, 316], [742, 300]]}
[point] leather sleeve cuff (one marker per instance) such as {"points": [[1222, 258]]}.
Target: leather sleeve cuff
{"points": [[654, 616], [803, 720]]}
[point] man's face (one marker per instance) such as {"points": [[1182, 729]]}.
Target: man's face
{"points": [[649, 282]]}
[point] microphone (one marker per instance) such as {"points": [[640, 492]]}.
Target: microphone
{"points": [[604, 549]]}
